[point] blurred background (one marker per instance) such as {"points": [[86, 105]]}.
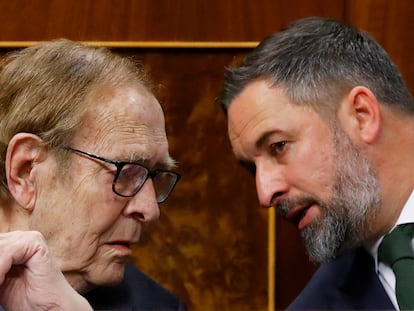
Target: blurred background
{"points": [[214, 247]]}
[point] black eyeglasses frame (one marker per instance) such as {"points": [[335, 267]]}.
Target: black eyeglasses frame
{"points": [[120, 164]]}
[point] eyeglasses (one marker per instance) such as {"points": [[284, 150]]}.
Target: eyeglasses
{"points": [[130, 177]]}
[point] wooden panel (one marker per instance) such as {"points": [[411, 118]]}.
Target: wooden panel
{"points": [[390, 22], [154, 20], [293, 269], [210, 246]]}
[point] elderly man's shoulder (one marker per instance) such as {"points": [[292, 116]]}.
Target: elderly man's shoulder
{"points": [[137, 291]]}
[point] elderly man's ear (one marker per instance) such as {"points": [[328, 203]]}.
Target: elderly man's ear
{"points": [[360, 115], [24, 153]]}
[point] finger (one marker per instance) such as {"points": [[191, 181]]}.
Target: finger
{"points": [[21, 247]]}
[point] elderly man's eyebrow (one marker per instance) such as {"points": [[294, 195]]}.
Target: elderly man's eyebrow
{"points": [[167, 163]]}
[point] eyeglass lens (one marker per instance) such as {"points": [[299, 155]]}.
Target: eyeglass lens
{"points": [[132, 177]]}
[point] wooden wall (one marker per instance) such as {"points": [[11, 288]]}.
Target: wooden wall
{"points": [[154, 20], [210, 246]]}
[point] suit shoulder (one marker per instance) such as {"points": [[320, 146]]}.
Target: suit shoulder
{"points": [[321, 288], [137, 291]]}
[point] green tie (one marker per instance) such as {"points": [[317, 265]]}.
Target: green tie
{"points": [[396, 251]]}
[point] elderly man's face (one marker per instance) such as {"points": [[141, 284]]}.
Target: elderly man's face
{"points": [[90, 229], [311, 173]]}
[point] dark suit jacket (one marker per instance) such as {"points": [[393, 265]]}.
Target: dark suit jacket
{"points": [[136, 292], [346, 283]]}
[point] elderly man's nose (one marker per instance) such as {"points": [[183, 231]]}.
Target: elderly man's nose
{"points": [[143, 206]]}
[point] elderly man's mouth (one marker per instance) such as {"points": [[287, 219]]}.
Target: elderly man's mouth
{"points": [[121, 247]]}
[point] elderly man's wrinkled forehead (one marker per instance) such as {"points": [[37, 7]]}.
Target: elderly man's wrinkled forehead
{"points": [[127, 112]]}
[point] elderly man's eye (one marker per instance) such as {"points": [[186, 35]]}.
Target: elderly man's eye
{"points": [[278, 148]]}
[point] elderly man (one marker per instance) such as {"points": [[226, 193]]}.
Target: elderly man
{"points": [[84, 165], [322, 118]]}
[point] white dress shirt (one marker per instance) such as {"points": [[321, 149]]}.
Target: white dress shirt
{"points": [[385, 273]]}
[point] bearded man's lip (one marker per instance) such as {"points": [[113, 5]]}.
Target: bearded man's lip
{"points": [[309, 216], [296, 213]]}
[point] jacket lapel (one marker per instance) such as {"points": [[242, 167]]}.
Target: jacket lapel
{"points": [[360, 287]]}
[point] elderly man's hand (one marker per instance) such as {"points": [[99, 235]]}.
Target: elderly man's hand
{"points": [[29, 278]]}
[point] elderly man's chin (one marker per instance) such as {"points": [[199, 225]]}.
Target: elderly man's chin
{"points": [[107, 275], [108, 266]]}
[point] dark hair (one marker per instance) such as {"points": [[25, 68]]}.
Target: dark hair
{"points": [[316, 61]]}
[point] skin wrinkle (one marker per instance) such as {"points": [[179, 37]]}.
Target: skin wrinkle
{"points": [[95, 235], [257, 121], [235, 135], [144, 134]]}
